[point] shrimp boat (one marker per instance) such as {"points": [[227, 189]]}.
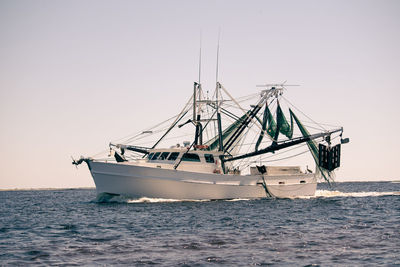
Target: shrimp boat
{"points": [[219, 161]]}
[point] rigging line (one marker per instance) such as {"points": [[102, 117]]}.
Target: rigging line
{"points": [[140, 132], [245, 112], [176, 118], [151, 128], [303, 113], [248, 161], [155, 132], [329, 125], [180, 136], [263, 142], [246, 97], [99, 153], [230, 122], [201, 97], [252, 95], [212, 117], [284, 152], [152, 141], [145, 136], [169, 129], [311, 127], [208, 131], [252, 129], [292, 156], [254, 138], [140, 135], [219, 101], [307, 123], [244, 137], [233, 105], [224, 111]]}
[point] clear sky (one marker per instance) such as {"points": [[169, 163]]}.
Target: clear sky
{"points": [[75, 75]]}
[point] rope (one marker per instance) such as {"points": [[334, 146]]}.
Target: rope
{"points": [[245, 112], [289, 157], [303, 113], [140, 132]]}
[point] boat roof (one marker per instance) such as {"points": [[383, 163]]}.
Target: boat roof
{"points": [[185, 149]]}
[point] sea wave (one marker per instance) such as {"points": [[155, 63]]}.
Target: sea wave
{"points": [[348, 224]]}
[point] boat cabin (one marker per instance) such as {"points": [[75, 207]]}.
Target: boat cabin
{"points": [[193, 160]]}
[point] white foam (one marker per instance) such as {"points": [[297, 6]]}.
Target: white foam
{"points": [[160, 200], [318, 193], [238, 199], [151, 200], [327, 193]]}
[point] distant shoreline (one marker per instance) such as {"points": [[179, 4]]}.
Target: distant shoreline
{"points": [[45, 188]]}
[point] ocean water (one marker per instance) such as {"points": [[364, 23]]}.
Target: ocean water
{"points": [[349, 224]]}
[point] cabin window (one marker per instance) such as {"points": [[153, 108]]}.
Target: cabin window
{"points": [[190, 157], [173, 156], [209, 158], [150, 156], [156, 156], [164, 156]]}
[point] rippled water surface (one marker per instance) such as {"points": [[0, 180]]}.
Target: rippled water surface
{"points": [[350, 224]]}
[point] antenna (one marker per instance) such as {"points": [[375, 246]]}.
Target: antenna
{"points": [[219, 34], [196, 88], [280, 85], [220, 140], [200, 57]]}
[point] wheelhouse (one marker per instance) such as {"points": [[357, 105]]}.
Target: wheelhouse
{"points": [[173, 155]]}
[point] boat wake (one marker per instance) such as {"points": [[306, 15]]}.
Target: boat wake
{"points": [[110, 198], [327, 193], [158, 200]]}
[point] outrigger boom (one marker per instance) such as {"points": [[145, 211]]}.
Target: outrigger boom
{"points": [[283, 144]]}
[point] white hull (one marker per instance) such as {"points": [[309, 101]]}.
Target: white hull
{"points": [[143, 181]]}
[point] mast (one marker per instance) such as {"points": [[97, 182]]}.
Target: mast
{"points": [[218, 86], [221, 144], [196, 117], [198, 138], [194, 102]]}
